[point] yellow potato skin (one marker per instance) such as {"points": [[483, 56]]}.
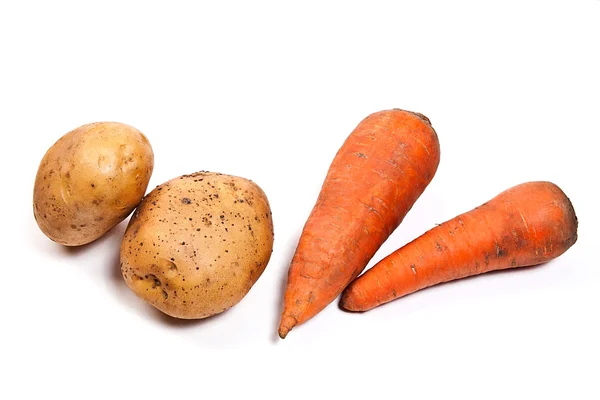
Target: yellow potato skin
{"points": [[91, 179], [197, 244]]}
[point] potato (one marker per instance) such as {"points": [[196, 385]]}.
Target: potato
{"points": [[197, 244], [90, 180]]}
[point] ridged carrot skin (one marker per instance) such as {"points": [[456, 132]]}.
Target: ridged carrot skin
{"points": [[375, 178], [526, 225]]}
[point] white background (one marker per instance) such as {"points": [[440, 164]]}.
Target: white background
{"points": [[269, 91]]}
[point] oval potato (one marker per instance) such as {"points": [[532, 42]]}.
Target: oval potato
{"points": [[91, 179], [197, 244]]}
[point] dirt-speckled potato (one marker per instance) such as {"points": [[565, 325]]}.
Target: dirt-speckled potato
{"points": [[90, 180], [197, 244]]}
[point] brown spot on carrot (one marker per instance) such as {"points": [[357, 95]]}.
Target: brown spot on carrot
{"points": [[499, 251]]}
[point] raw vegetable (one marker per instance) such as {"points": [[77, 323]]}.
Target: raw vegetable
{"points": [[526, 225], [377, 175], [91, 179], [197, 244]]}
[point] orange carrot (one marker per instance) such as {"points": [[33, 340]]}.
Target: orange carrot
{"points": [[526, 225], [375, 178]]}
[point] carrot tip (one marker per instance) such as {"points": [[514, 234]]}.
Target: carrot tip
{"points": [[283, 332], [346, 302], [419, 115], [286, 325]]}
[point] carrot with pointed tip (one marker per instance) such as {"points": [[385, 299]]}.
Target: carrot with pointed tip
{"points": [[377, 175], [526, 225]]}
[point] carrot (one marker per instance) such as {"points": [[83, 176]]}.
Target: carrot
{"points": [[526, 225], [374, 180]]}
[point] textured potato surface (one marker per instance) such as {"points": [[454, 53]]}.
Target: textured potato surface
{"points": [[197, 244], [90, 180]]}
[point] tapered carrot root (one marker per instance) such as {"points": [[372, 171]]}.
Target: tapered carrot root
{"points": [[526, 225], [379, 172]]}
